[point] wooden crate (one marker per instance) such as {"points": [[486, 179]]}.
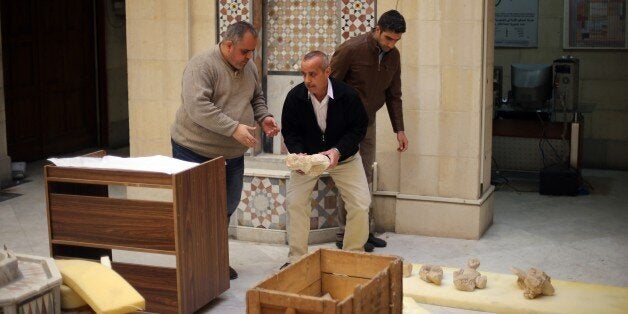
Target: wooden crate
{"points": [[357, 283]]}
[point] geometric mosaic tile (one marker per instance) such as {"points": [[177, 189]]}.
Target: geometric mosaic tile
{"points": [[296, 27], [358, 17], [232, 11], [263, 203], [325, 201]]}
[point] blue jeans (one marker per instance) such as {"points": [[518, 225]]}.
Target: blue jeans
{"points": [[235, 173]]}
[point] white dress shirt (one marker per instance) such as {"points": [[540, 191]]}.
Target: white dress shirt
{"points": [[320, 107]]}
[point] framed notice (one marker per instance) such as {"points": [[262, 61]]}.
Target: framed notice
{"points": [[516, 23], [595, 24]]}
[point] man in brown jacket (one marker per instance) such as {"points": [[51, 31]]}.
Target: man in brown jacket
{"points": [[370, 63]]}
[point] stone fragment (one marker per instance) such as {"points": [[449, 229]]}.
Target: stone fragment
{"points": [[533, 283], [431, 273], [311, 165], [469, 278], [407, 269]]}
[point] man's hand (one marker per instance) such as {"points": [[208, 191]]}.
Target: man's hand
{"points": [[244, 135], [269, 126], [333, 155], [403, 141]]}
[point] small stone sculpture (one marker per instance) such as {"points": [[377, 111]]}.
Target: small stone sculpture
{"points": [[431, 273], [534, 283], [312, 165], [469, 278], [406, 269]]}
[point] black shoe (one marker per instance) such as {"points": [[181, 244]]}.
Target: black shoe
{"points": [[368, 247], [232, 273], [375, 241], [284, 265]]}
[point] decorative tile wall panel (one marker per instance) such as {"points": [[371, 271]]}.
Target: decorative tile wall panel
{"points": [[232, 11], [297, 27], [263, 203], [358, 17]]}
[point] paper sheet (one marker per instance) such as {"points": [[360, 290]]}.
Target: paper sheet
{"points": [[156, 163]]}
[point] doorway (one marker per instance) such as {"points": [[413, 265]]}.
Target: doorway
{"points": [[50, 77]]}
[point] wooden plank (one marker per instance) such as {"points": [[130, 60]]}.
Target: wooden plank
{"points": [[156, 284], [107, 176], [340, 286], [301, 303], [345, 306], [111, 223], [315, 289], [395, 275], [371, 298], [296, 277], [202, 235], [252, 302], [353, 264], [383, 286]]}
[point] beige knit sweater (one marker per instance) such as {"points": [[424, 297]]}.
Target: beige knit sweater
{"points": [[215, 98]]}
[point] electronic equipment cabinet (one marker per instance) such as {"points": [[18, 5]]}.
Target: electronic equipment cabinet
{"points": [[84, 222]]}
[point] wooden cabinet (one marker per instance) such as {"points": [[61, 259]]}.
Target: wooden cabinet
{"points": [[84, 222]]}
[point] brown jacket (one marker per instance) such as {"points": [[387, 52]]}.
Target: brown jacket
{"points": [[356, 63]]}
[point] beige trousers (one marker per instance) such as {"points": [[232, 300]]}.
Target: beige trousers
{"points": [[367, 153], [351, 182]]}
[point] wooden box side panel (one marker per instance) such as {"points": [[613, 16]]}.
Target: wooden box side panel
{"points": [[201, 234], [158, 285], [111, 223], [340, 286], [374, 296], [395, 273], [353, 264], [270, 302], [297, 277]]}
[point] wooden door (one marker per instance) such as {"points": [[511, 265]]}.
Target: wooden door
{"points": [[49, 64]]}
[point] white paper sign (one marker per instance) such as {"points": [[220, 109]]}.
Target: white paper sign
{"points": [[516, 23]]}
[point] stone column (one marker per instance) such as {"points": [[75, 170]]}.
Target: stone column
{"points": [[162, 36], [441, 185]]}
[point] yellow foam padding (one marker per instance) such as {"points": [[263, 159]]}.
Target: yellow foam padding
{"points": [[502, 295], [70, 299], [411, 307], [102, 288]]}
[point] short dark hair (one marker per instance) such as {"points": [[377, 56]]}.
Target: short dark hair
{"points": [[392, 21], [318, 54], [236, 31]]}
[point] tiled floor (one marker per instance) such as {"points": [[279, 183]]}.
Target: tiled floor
{"points": [[582, 238]]}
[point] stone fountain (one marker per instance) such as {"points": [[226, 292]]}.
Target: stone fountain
{"points": [[8, 267], [28, 284]]}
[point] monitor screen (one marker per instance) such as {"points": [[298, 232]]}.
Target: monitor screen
{"points": [[531, 85]]}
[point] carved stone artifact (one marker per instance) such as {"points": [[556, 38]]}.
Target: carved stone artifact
{"points": [[431, 273], [312, 165], [469, 278], [406, 268], [534, 283]]}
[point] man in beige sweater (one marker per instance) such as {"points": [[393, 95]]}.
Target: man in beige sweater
{"points": [[222, 99]]}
